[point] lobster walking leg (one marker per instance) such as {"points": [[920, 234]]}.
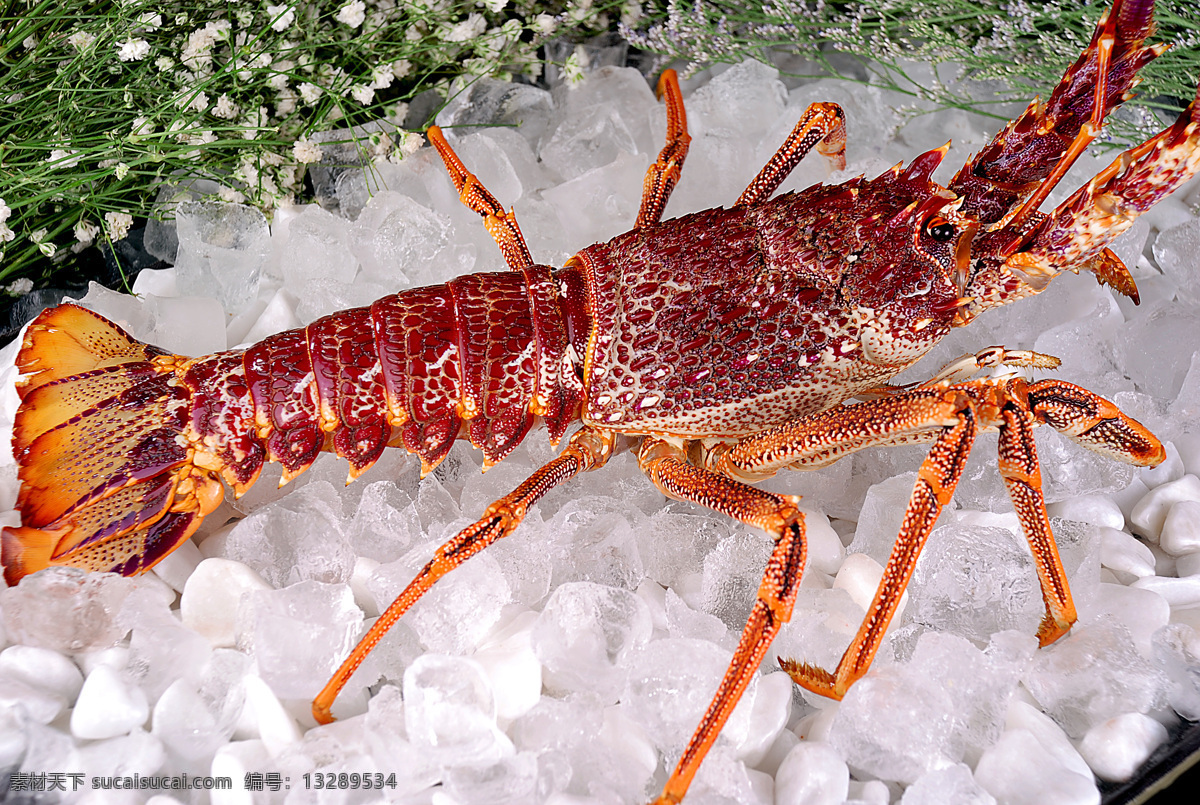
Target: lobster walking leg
{"points": [[822, 125], [588, 449], [663, 175], [670, 471]]}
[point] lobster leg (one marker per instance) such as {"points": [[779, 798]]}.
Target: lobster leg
{"points": [[588, 449], [501, 225], [668, 468], [663, 175], [822, 125]]}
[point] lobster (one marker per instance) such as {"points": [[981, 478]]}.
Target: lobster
{"points": [[730, 342]]}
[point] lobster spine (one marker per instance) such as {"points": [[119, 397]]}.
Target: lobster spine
{"points": [[481, 356]]}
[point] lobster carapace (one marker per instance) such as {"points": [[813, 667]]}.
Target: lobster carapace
{"points": [[729, 342]]}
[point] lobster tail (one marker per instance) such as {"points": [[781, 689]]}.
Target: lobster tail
{"points": [[107, 481]]}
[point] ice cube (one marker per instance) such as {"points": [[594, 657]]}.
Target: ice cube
{"points": [[222, 250], [318, 247], [449, 711], [66, 609], [487, 102]]}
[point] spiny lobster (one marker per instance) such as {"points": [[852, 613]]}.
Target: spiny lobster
{"points": [[728, 341]]}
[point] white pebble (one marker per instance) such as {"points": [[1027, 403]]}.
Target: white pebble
{"points": [[364, 569], [1171, 469], [176, 566], [869, 792], [812, 774], [627, 738], [768, 716], [1188, 446], [108, 706], [12, 738], [1179, 592], [1181, 529], [38, 705], [1188, 564], [825, 549], [860, 576], [512, 668], [1117, 747], [1054, 741], [43, 669], [209, 604], [1018, 771], [1099, 510], [1150, 512], [234, 760], [1124, 553], [277, 729]]}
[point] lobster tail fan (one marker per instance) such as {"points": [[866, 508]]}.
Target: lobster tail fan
{"points": [[107, 481]]}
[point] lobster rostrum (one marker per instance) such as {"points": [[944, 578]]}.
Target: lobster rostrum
{"points": [[727, 343]]}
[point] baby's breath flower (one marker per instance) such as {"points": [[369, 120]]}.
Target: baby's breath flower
{"points": [[6, 234], [495, 6], [544, 24], [411, 144], [18, 287], [117, 224], [467, 30], [63, 158], [285, 103], [150, 20], [231, 195], [310, 93], [281, 17], [81, 40], [362, 93], [225, 108], [86, 231], [306, 151], [141, 126], [382, 77], [121, 170], [573, 68], [30, 42], [401, 68], [164, 63], [353, 13], [5, 211], [45, 247], [199, 102], [133, 50]]}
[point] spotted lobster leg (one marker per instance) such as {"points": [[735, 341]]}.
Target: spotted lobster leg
{"points": [[950, 416]]}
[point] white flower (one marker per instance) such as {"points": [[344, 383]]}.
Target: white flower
{"points": [[495, 6], [573, 68], [544, 24], [133, 50], [281, 17], [310, 93], [81, 40], [121, 170], [86, 231], [164, 63], [285, 103], [18, 287], [5, 211], [196, 53], [199, 102], [6, 234], [118, 224], [411, 144], [142, 126], [278, 81], [362, 93], [468, 29], [63, 158], [401, 68], [149, 20], [44, 246], [30, 42], [382, 76], [306, 151], [353, 14], [231, 195], [225, 108]]}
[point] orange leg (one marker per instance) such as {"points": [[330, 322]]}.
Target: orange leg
{"points": [[663, 175], [822, 125], [587, 450], [501, 225], [668, 468]]}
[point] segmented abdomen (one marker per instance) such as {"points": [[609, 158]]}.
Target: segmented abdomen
{"points": [[489, 350]]}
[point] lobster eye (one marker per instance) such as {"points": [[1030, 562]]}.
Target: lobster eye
{"points": [[939, 228]]}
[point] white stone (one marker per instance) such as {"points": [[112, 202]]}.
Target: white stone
{"points": [[825, 550], [211, 597], [1123, 552], [860, 576], [234, 760], [1099, 510], [1171, 469], [178, 565], [277, 729], [1117, 747], [770, 713], [1179, 592], [1054, 742], [812, 774], [1017, 771], [108, 706], [1150, 512], [513, 668], [1188, 564], [1142, 611], [43, 669], [1181, 529], [38, 705]]}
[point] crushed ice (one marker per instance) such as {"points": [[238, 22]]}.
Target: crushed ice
{"points": [[571, 662]]}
